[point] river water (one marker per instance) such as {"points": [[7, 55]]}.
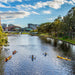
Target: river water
{"points": [[22, 63]]}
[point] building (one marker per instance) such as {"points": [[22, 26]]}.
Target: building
{"points": [[4, 26], [33, 26], [27, 29], [10, 25], [13, 28]]}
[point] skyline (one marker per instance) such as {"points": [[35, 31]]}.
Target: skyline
{"points": [[22, 12]]}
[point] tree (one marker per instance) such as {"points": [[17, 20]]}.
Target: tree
{"points": [[44, 27]]}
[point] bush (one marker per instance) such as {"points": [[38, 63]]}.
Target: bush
{"points": [[6, 41], [3, 37], [60, 34], [65, 37]]}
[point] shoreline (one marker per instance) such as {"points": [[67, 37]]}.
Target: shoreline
{"points": [[49, 36], [58, 38]]}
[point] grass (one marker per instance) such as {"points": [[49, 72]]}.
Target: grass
{"points": [[25, 33], [16, 33], [68, 40]]}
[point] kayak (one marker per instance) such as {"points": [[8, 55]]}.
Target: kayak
{"points": [[6, 59], [63, 58], [14, 52]]}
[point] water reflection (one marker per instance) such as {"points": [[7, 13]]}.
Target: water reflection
{"points": [[6, 49], [45, 40], [63, 47], [73, 68], [55, 43], [33, 58]]}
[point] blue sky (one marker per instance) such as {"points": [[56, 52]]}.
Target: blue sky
{"points": [[22, 12]]}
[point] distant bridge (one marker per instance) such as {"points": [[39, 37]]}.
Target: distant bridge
{"points": [[12, 31]]}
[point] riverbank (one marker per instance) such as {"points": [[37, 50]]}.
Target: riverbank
{"points": [[46, 35], [58, 38], [25, 32], [15, 33]]}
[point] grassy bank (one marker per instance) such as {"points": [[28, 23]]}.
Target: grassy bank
{"points": [[66, 40], [25, 33], [13, 33], [72, 41]]}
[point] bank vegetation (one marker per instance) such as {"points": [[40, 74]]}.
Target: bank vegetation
{"points": [[3, 37], [63, 29]]}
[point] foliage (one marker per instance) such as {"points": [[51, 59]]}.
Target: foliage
{"points": [[3, 37], [45, 27], [60, 27]]}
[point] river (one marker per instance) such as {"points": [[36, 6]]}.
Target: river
{"points": [[22, 63]]}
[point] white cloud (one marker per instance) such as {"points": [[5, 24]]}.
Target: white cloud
{"points": [[33, 12], [1, 5], [14, 15], [53, 4], [14, 0], [73, 1], [47, 12], [5, 1], [69, 2], [24, 7], [56, 4]]}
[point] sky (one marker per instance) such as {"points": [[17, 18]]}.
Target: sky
{"points": [[22, 12]]}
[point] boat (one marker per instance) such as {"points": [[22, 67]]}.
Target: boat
{"points": [[63, 58], [14, 52], [8, 58]]}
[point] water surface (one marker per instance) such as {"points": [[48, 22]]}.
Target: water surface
{"points": [[22, 63]]}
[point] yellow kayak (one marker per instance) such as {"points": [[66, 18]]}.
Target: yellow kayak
{"points": [[63, 58]]}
